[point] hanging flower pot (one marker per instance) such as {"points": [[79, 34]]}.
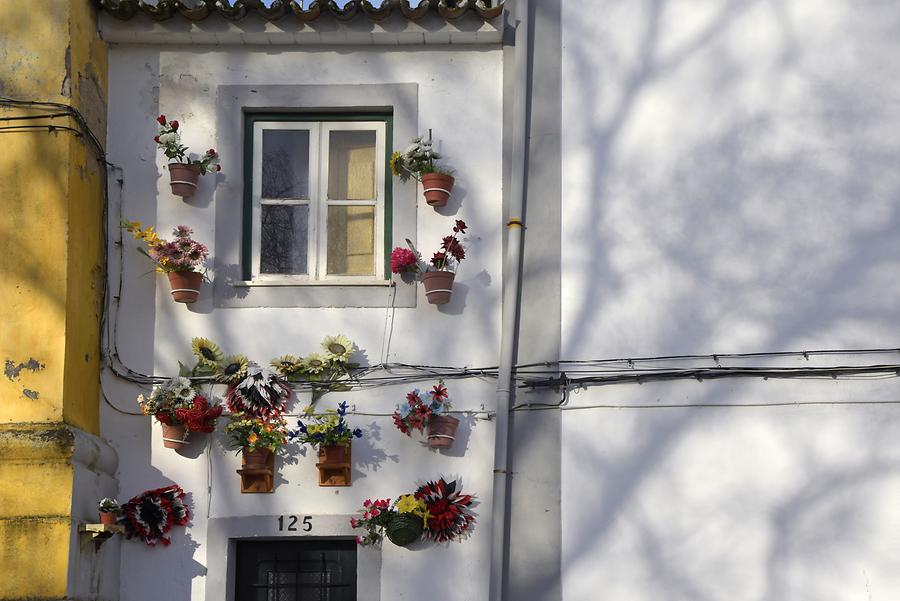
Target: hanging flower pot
{"points": [[174, 436], [183, 178], [255, 458], [108, 518], [420, 161], [185, 285], [258, 439], [437, 187], [331, 436], [334, 464], [403, 529], [438, 286], [442, 431], [184, 172]]}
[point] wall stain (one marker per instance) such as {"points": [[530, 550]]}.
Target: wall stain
{"points": [[12, 371], [31, 394]]}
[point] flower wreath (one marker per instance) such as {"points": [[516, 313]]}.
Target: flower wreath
{"points": [[151, 514], [448, 514], [261, 394]]}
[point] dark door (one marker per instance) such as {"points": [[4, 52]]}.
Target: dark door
{"points": [[296, 570]]}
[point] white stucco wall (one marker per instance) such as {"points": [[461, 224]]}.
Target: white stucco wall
{"points": [[460, 99], [730, 185]]}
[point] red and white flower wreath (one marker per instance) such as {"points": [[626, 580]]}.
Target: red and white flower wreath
{"points": [[151, 514]]}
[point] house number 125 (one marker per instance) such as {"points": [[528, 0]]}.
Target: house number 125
{"points": [[289, 523]]}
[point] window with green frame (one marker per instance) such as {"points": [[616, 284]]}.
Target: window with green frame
{"points": [[317, 198]]}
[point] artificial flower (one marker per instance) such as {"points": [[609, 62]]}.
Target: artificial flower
{"points": [[338, 348], [233, 369], [314, 363], [262, 393], [207, 352], [287, 365], [403, 260]]}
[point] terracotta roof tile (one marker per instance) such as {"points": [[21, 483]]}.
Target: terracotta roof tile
{"points": [[374, 10]]}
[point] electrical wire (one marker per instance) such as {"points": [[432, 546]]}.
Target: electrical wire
{"points": [[587, 372]]}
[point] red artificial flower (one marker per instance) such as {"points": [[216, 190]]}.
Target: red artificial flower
{"points": [[460, 226], [161, 119], [439, 393], [156, 139], [211, 152], [438, 259], [218, 167], [452, 245], [201, 417], [174, 125]]}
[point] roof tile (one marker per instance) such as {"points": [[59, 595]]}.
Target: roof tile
{"points": [[234, 10]]}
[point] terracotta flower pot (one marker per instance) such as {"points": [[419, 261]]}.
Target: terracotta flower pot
{"points": [[438, 286], [442, 431], [108, 518], [183, 179], [174, 437], [404, 529], [437, 187], [185, 285], [255, 459]]}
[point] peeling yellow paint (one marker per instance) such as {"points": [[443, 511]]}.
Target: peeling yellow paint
{"points": [[51, 234]]}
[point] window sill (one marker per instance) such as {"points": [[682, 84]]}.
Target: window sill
{"points": [[321, 283], [325, 293]]}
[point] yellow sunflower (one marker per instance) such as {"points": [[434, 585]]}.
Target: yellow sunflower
{"points": [[287, 365], [314, 363], [338, 348], [207, 352], [233, 369]]}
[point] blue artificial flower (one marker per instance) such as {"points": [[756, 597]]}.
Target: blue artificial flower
{"points": [[301, 427], [342, 408], [404, 409], [357, 433]]}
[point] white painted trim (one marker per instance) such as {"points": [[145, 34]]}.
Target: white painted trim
{"points": [[318, 201], [258, 200], [378, 201]]}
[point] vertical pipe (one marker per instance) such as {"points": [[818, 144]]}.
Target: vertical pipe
{"points": [[510, 307]]}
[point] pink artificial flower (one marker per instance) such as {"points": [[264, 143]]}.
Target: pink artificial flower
{"points": [[367, 502], [182, 231], [376, 512], [402, 260], [367, 516], [359, 540], [354, 522]]}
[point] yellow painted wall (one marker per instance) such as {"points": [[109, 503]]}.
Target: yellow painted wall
{"points": [[51, 281], [35, 499], [51, 229]]}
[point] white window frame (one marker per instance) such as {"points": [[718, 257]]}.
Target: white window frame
{"points": [[318, 201]]}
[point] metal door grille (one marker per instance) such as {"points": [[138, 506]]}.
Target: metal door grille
{"points": [[296, 570]]}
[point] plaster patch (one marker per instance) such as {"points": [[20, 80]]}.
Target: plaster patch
{"points": [[31, 394]]}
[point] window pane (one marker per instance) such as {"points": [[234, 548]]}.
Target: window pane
{"points": [[351, 165], [285, 163], [351, 240], [283, 239]]}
